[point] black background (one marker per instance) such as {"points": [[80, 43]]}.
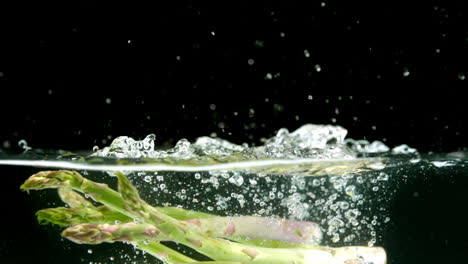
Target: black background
{"points": [[163, 65], [164, 71]]}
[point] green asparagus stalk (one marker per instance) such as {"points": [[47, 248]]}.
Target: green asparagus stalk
{"points": [[132, 232], [235, 228], [137, 234], [73, 216]]}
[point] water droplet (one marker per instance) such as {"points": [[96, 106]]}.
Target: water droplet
{"points": [[90, 251], [24, 145], [310, 97], [197, 176], [250, 62], [259, 43], [317, 68], [375, 188], [406, 72]]}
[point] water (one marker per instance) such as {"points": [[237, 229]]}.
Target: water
{"points": [[359, 193]]}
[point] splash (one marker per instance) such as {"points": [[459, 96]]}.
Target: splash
{"points": [[321, 142]]}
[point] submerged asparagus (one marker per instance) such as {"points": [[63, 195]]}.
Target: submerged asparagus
{"points": [[202, 232]]}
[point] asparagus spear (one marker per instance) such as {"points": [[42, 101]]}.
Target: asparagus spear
{"points": [[72, 216], [252, 227], [101, 233], [129, 203]]}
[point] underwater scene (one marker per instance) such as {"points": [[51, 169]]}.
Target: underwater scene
{"points": [[309, 196]]}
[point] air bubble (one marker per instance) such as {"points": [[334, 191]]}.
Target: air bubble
{"points": [[351, 214], [316, 182], [350, 190], [236, 179], [344, 205], [252, 182], [271, 195], [382, 176], [148, 178]]}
